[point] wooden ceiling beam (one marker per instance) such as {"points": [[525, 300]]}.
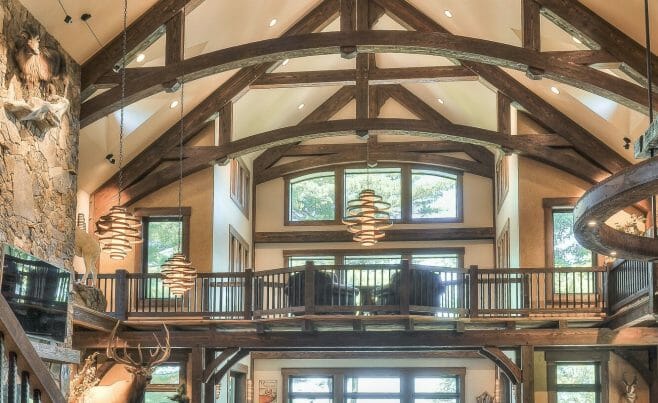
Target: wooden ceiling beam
{"points": [[392, 235], [175, 39], [574, 17], [583, 141], [358, 155], [530, 23], [474, 50], [231, 89], [305, 150], [140, 35]]}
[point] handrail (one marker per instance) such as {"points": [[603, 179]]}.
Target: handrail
{"points": [[31, 366]]}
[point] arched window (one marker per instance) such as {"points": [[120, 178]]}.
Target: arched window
{"points": [[417, 194]]}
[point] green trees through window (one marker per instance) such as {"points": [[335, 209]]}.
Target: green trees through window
{"points": [[313, 197], [567, 252], [386, 182]]}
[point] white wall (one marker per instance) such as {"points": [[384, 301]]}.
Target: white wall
{"points": [[480, 373]]}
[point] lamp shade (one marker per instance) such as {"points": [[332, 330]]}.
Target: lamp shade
{"points": [[118, 231], [178, 274], [367, 217]]}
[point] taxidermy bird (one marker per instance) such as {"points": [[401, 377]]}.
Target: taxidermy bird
{"points": [[181, 395], [38, 64]]}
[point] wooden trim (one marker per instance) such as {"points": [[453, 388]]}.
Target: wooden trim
{"points": [[501, 183], [340, 355], [405, 253], [240, 185], [502, 361], [392, 235], [234, 236], [148, 213]]}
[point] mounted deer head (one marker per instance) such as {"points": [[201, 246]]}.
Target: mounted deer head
{"points": [[631, 389], [140, 368]]}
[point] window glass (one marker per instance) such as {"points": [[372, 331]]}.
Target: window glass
{"points": [[164, 239], [435, 385], [311, 384], [433, 194], [568, 374], [386, 182], [577, 382], [576, 397], [158, 397], [312, 197], [436, 260], [567, 252], [295, 261], [166, 375], [373, 385]]}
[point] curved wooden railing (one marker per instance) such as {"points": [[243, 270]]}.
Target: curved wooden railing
{"points": [[28, 378], [365, 289], [629, 281]]}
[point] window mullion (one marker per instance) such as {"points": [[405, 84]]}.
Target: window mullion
{"points": [[406, 202], [339, 184]]}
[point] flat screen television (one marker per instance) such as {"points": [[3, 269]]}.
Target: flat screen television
{"points": [[37, 292]]}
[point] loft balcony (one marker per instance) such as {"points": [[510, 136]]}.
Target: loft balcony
{"points": [[388, 295]]}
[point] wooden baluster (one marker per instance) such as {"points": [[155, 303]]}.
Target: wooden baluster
{"points": [[473, 292], [121, 292], [25, 387], [248, 294], [309, 288], [12, 374], [405, 287], [36, 396]]}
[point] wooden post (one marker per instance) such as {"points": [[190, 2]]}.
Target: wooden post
{"points": [[653, 287], [309, 288], [528, 368], [405, 287], [25, 387], [209, 386], [248, 294], [12, 373], [474, 298], [121, 294], [197, 361], [653, 369]]}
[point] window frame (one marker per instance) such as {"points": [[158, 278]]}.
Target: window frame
{"points": [[173, 388], [550, 206], [406, 194], [501, 182], [234, 236], [162, 214], [503, 251], [406, 375], [406, 254], [598, 358], [240, 185]]}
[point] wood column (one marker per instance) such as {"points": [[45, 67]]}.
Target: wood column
{"points": [[653, 370], [528, 368], [197, 361], [209, 385]]}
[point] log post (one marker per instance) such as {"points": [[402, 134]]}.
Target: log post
{"points": [[405, 287], [248, 294], [309, 288], [528, 368], [121, 294], [474, 299]]}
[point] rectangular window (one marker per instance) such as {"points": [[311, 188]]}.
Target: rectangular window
{"points": [[567, 252], [310, 389], [240, 186], [430, 389], [433, 195], [577, 383], [312, 198], [503, 248], [386, 182], [502, 180], [165, 381], [294, 261], [238, 252]]}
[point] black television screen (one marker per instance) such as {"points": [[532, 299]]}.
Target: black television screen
{"points": [[37, 292]]}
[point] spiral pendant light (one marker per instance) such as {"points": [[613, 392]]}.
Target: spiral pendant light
{"points": [[118, 230], [177, 272], [367, 216]]}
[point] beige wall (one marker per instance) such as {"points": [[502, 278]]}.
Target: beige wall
{"points": [[536, 182], [478, 212], [509, 208]]}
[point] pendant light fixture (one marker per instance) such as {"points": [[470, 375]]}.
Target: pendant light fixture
{"points": [[367, 216], [118, 230], [178, 274]]}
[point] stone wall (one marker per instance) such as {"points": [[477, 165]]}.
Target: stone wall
{"points": [[37, 167]]}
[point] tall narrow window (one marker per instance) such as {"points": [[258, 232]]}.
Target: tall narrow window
{"points": [[567, 252], [386, 182], [312, 198], [502, 180], [577, 376], [238, 252], [503, 248], [433, 195], [240, 186]]}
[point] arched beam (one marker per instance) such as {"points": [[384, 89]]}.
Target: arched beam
{"points": [[445, 161], [198, 158], [600, 202], [231, 362], [210, 369], [427, 43], [503, 362]]}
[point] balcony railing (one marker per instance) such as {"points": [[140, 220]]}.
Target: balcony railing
{"points": [[365, 290], [630, 281]]}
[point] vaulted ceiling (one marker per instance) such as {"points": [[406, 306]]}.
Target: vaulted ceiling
{"points": [[459, 104]]}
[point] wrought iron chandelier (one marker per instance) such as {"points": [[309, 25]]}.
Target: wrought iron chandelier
{"points": [[367, 216], [118, 230], [177, 272]]}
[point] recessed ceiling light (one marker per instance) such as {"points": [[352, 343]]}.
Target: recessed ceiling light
{"points": [[273, 22], [448, 13], [613, 253], [283, 63], [300, 106], [441, 101], [591, 223], [173, 104], [141, 57], [554, 90], [578, 41]]}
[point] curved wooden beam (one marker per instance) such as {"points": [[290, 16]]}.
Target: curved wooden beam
{"points": [[231, 362], [503, 362], [198, 158], [600, 202], [210, 369], [428, 43], [427, 159]]}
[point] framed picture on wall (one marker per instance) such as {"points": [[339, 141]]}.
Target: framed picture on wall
{"points": [[267, 391]]}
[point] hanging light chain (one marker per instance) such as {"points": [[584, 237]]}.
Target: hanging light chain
{"points": [[180, 141], [124, 44]]}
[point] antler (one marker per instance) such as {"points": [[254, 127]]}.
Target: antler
{"points": [[126, 358]]}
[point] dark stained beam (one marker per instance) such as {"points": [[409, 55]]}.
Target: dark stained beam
{"points": [[140, 35], [359, 155], [225, 124], [531, 25], [149, 158], [392, 235], [212, 366], [547, 140], [583, 141], [175, 39], [302, 150], [504, 109], [430, 43], [362, 92], [528, 368], [502, 361], [417, 339], [574, 17]]}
